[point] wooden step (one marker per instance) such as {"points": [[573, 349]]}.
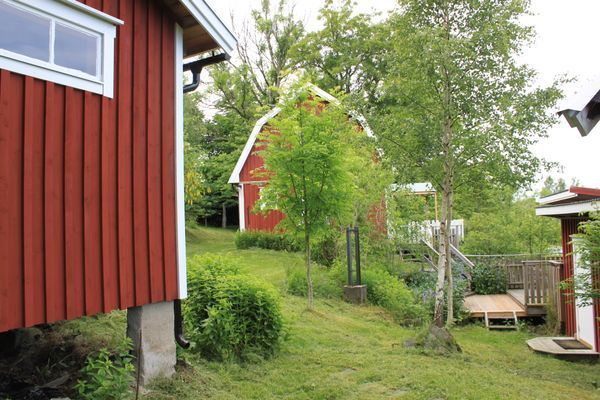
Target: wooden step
{"points": [[495, 315], [502, 327], [500, 315]]}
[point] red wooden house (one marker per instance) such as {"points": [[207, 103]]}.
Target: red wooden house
{"points": [[91, 147], [249, 184], [572, 207]]}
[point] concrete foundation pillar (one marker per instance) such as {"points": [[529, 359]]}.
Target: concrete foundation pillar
{"points": [[150, 327], [356, 294]]}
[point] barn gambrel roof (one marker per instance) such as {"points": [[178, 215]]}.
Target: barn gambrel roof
{"points": [[235, 175]]}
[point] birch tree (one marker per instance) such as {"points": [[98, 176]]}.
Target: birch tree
{"points": [[458, 109]]}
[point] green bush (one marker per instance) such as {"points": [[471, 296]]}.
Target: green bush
{"points": [[327, 249], [391, 293], [422, 283], [106, 375], [230, 316], [324, 284], [266, 240], [489, 279]]}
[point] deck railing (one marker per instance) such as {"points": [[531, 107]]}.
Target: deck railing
{"points": [[537, 275], [540, 282], [514, 274]]}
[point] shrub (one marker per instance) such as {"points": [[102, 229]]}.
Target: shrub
{"points": [[267, 240], [391, 293], [489, 279], [327, 249], [107, 375], [324, 284], [230, 316], [423, 284]]}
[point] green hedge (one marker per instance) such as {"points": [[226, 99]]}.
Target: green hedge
{"points": [[391, 293], [489, 279], [383, 289], [230, 316], [267, 240]]}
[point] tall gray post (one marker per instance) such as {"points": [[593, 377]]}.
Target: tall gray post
{"points": [[151, 327]]}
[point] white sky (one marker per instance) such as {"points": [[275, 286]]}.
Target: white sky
{"points": [[565, 44]]}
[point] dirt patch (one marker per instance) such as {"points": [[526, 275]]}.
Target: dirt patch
{"points": [[40, 363]]}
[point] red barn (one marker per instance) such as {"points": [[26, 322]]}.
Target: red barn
{"points": [[572, 207], [91, 152], [249, 185]]}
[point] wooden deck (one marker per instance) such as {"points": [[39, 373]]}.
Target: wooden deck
{"points": [[548, 345], [494, 304], [518, 295]]}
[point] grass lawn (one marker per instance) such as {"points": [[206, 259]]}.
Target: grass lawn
{"points": [[342, 351]]}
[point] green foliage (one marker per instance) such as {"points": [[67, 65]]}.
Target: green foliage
{"points": [[230, 316], [193, 181], [305, 162], [107, 375], [348, 53], [454, 61], [267, 240], [305, 159], [489, 279], [391, 293], [327, 248], [422, 283], [324, 283], [212, 149], [511, 228], [552, 186], [457, 108], [587, 245]]}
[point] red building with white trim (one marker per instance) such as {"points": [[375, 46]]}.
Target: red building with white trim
{"points": [[91, 153], [249, 184], [572, 207]]}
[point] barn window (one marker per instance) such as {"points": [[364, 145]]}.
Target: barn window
{"points": [[65, 42]]}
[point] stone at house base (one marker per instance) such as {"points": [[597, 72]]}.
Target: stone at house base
{"points": [[356, 294], [153, 324]]}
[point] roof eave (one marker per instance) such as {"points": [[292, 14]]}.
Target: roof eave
{"points": [[212, 24]]}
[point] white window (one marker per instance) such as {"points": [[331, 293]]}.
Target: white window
{"points": [[62, 41]]}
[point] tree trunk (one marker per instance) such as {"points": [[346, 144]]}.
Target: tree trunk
{"points": [[445, 260], [449, 276], [224, 216], [438, 315], [309, 282]]}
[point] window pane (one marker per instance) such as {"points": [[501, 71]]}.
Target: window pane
{"points": [[24, 32], [75, 49]]}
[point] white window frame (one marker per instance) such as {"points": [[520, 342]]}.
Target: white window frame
{"points": [[75, 15]]}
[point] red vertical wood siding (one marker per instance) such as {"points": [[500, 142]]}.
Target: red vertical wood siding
{"points": [[87, 183], [568, 228], [256, 221], [252, 180]]}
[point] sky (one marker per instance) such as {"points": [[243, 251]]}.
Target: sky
{"points": [[564, 45]]}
